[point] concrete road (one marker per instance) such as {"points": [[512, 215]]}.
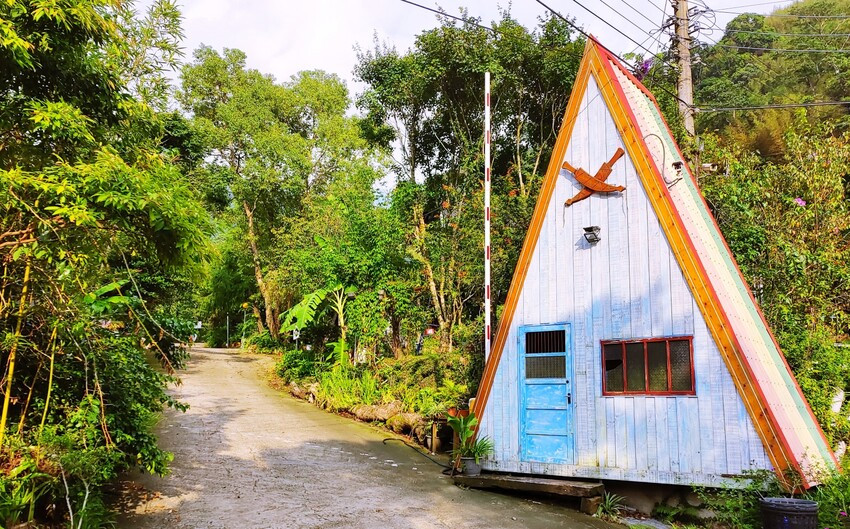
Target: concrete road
{"points": [[249, 456]]}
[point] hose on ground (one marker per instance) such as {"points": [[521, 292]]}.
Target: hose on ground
{"points": [[416, 449]]}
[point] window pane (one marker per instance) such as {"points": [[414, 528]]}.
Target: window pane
{"points": [[680, 365], [613, 367], [635, 369], [656, 353], [545, 367], [545, 342]]}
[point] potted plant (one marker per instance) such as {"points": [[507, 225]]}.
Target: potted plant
{"points": [[469, 449]]}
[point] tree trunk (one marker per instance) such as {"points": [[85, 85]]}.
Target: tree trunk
{"points": [[395, 336], [271, 310], [436, 298], [259, 317]]}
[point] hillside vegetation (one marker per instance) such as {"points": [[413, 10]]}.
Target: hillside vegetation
{"points": [[272, 209]]}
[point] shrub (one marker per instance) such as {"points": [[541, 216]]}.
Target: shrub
{"points": [[294, 365], [262, 342]]}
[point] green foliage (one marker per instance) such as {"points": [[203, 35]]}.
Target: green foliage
{"points": [[339, 388], [20, 489], [263, 342], [683, 512], [295, 365], [304, 312], [740, 70], [99, 229], [738, 507], [611, 506], [833, 497], [470, 445], [464, 427], [787, 222]]}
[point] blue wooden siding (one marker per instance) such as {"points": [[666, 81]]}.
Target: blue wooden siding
{"points": [[629, 285]]}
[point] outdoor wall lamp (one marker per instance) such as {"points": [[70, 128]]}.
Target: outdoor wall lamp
{"points": [[591, 234]]}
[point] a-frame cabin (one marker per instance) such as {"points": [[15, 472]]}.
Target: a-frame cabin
{"points": [[630, 346]]}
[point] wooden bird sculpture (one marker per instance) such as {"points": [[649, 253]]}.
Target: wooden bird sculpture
{"points": [[594, 184]]}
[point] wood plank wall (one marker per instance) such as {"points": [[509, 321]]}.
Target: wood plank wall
{"points": [[629, 285]]}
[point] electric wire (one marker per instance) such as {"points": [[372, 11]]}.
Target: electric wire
{"points": [[774, 106], [764, 3], [610, 25], [587, 35], [639, 12], [782, 15], [630, 21], [781, 50], [772, 34], [562, 17]]}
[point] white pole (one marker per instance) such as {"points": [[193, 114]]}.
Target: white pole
{"points": [[487, 216]]}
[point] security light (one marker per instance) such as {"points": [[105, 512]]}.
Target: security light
{"points": [[591, 234]]}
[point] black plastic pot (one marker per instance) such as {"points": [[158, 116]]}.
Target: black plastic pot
{"points": [[470, 467], [789, 513]]}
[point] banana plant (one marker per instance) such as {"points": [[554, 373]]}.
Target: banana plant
{"points": [[304, 313]]}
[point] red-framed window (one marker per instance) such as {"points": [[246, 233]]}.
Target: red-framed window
{"points": [[652, 366]]}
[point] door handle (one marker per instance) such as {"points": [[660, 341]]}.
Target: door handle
{"points": [[569, 398]]}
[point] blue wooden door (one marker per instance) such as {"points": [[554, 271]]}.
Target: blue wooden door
{"points": [[547, 397]]}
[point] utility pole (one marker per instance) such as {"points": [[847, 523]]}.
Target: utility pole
{"points": [[685, 86]]}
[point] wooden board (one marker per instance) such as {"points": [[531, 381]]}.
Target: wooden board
{"points": [[561, 487]]}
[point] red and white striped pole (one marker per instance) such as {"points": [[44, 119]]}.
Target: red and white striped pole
{"points": [[486, 215]]}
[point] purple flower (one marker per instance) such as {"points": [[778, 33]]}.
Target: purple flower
{"points": [[842, 513], [800, 201], [643, 68]]}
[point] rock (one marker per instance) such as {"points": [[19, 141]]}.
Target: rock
{"points": [[674, 500], [590, 505], [379, 412], [298, 391], [420, 431], [404, 422], [693, 499]]}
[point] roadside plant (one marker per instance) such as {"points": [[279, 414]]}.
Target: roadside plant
{"points": [[469, 445], [611, 507]]}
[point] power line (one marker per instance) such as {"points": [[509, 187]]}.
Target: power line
{"points": [[781, 15], [460, 19], [633, 8], [600, 18], [764, 3], [842, 35], [762, 107], [586, 35], [752, 48], [650, 2], [559, 15]]}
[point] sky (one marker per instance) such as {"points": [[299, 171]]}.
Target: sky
{"points": [[282, 37]]}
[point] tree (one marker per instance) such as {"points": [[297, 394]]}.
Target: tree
{"points": [[788, 224], [425, 101], [273, 144], [94, 215]]}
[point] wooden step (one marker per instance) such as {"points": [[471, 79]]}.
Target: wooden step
{"points": [[561, 487]]}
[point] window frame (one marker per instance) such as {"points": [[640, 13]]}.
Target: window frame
{"points": [[646, 390]]}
